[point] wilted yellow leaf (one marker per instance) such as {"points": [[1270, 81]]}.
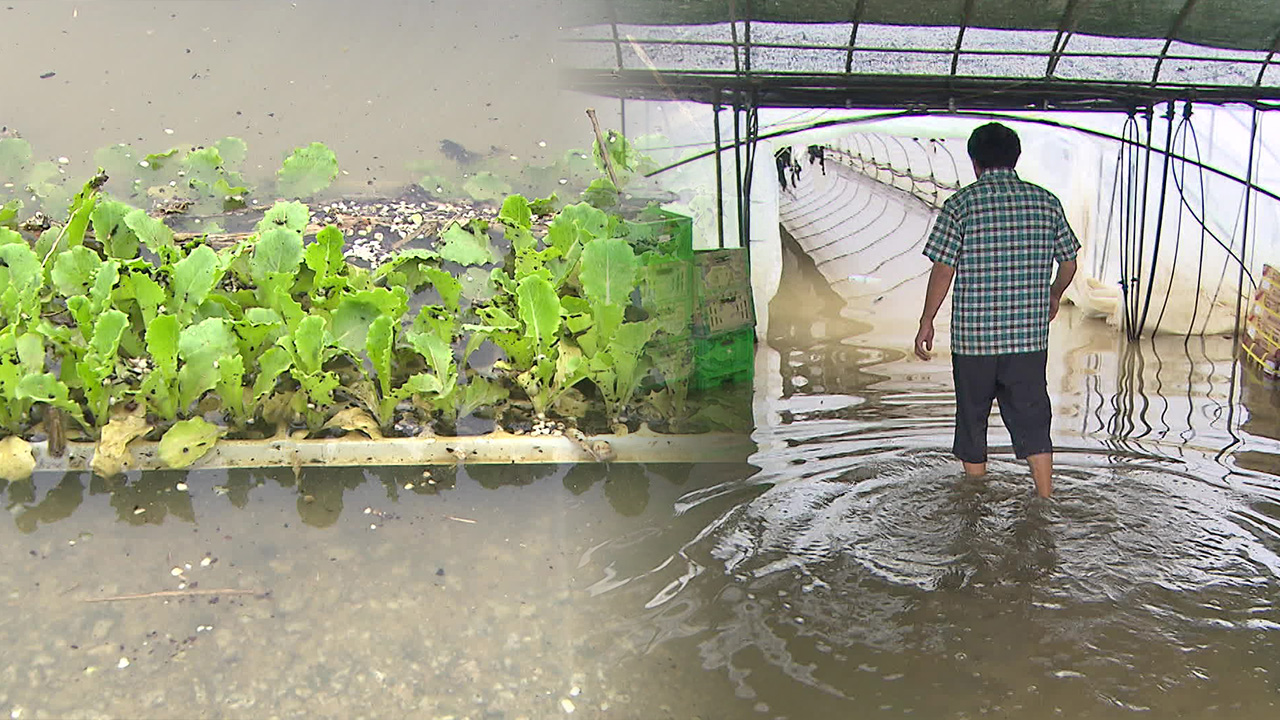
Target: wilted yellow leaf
{"points": [[355, 419], [112, 455], [16, 459]]}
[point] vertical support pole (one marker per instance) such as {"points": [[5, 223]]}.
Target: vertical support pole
{"points": [[719, 175], [1244, 231], [617, 51], [1235, 328], [748, 173], [733, 34], [737, 158]]}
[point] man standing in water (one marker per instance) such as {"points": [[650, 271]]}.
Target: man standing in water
{"points": [[999, 238]]}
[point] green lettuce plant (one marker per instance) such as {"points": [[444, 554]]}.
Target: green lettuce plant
{"points": [[107, 314]]}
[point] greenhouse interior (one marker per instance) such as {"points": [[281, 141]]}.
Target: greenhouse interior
{"points": [[463, 361]]}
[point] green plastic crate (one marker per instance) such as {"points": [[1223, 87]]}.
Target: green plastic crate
{"points": [[722, 272], [724, 358], [666, 294], [671, 359], [730, 312], [671, 234]]}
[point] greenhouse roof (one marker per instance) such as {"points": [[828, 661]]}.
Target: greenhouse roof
{"points": [[949, 54]]}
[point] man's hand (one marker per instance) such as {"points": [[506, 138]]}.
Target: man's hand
{"points": [[924, 340], [1066, 271], [939, 283]]}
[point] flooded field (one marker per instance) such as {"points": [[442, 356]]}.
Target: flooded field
{"points": [[850, 569], [381, 83]]}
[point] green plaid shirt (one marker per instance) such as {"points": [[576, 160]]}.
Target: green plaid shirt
{"points": [[1002, 235]]}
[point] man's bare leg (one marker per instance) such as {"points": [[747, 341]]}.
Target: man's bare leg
{"points": [[1042, 472], [974, 470]]}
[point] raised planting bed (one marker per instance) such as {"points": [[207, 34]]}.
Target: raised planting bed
{"points": [[355, 450], [399, 321]]}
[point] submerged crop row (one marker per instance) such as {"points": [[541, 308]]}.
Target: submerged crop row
{"points": [[118, 329]]}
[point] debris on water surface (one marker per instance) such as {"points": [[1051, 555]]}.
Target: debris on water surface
{"points": [[124, 663]]}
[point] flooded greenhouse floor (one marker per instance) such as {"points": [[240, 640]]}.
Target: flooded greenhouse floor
{"points": [[849, 571]]}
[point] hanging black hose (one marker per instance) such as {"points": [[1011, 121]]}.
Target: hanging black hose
{"points": [[1235, 328], [1100, 259], [1141, 225], [1129, 181], [1159, 231], [1179, 135], [1185, 133]]}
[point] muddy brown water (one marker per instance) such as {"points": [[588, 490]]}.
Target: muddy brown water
{"points": [[381, 83], [849, 571]]}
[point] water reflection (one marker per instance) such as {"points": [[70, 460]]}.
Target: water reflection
{"points": [[860, 566], [141, 499], [854, 572]]}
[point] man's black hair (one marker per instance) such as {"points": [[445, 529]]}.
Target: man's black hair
{"points": [[994, 146]]}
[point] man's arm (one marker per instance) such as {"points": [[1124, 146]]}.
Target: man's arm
{"points": [[939, 283], [1066, 271]]}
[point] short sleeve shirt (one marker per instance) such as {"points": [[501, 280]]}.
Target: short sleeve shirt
{"points": [[1002, 235]]}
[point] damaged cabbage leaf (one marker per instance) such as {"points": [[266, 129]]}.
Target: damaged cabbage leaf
{"points": [[466, 246], [17, 462], [188, 441], [112, 456], [308, 171]]}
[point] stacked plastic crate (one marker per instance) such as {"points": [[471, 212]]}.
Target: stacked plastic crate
{"points": [[666, 293], [724, 333], [1261, 340]]}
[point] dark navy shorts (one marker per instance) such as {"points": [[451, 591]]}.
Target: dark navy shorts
{"points": [[1017, 382]]}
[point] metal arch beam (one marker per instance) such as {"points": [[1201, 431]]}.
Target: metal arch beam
{"points": [[1262, 71], [964, 25], [837, 90], [1171, 36], [1067, 28], [853, 35], [898, 114], [733, 33]]}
